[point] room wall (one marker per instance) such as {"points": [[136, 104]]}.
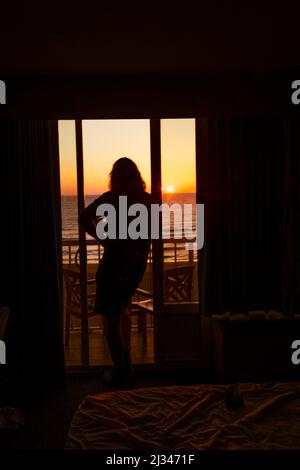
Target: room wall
{"points": [[148, 96]]}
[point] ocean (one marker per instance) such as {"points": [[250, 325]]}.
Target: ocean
{"points": [[70, 228]]}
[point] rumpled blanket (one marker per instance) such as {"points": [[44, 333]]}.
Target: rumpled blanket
{"points": [[239, 416]]}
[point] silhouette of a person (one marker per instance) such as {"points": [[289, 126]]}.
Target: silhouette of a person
{"points": [[122, 266]]}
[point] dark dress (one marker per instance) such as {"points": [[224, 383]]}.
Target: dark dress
{"points": [[122, 265]]}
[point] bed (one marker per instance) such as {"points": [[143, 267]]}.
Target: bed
{"points": [[239, 416]]}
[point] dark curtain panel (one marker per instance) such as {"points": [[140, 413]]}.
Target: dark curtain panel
{"points": [[241, 185], [291, 248], [31, 281]]}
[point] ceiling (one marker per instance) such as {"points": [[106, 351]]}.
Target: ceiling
{"points": [[219, 38]]}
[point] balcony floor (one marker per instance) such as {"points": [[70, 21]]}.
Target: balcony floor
{"points": [[99, 353]]}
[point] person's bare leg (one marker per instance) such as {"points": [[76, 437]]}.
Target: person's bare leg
{"points": [[126, 328], [126, 333], [116, 343]]}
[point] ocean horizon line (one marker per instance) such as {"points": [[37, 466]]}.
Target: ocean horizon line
{"points": [[99, 194]]}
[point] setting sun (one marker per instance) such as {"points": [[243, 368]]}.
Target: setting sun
{"points": [[168, 189]]}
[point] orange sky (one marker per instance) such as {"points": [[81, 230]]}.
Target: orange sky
{"points": [[104, 141]]}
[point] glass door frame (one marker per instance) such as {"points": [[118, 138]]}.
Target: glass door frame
{"points": [[157, 245]]}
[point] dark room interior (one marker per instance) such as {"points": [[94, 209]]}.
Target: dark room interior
{"points": [[214, 369]]}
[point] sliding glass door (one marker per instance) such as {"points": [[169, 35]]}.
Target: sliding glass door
{"points": [[179, 326], [88, 150], [104, 141], [165, 313]]}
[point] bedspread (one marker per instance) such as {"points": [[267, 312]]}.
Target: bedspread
{"points": [[266, 416]]}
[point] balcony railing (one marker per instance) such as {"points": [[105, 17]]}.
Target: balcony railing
{"points": [[174, 251]]}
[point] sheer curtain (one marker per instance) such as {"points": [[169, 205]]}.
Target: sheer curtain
{"points": [[31, 251]]}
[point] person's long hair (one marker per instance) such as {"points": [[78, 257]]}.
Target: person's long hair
{"points": [[125, 178]]}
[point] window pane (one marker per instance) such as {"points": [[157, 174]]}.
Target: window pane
{"points": [[69, 211], [104, 141], [178, 156]]}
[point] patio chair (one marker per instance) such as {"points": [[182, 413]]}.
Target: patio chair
{"points": [[177, 288], [73, 298]]}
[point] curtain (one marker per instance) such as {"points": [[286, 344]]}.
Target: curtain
{"points": [[31, 283], [291, 246], [241, 185]]}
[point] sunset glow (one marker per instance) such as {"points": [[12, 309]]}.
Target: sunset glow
{"points": [[104, 141]]}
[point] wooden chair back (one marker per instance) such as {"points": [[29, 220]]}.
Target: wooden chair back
{"points": [[178, 284]]}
